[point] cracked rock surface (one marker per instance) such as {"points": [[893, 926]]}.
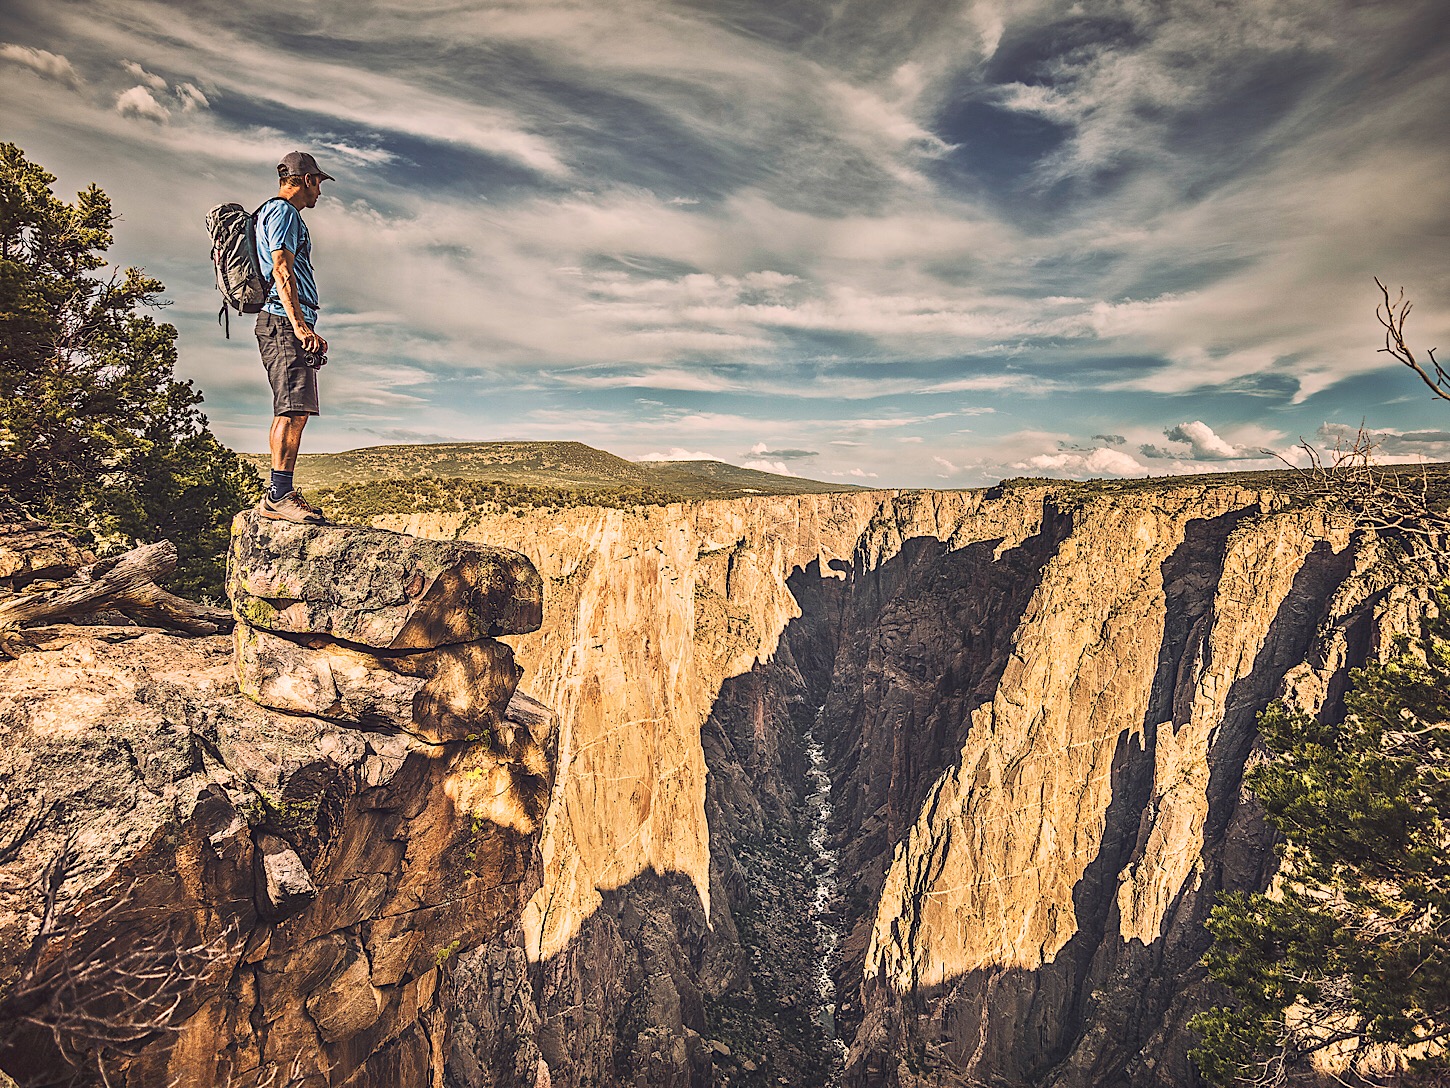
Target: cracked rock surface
{"points": [[244, 896]]}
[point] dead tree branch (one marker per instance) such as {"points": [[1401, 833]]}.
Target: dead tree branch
{"points": [[1387, 499], [102, 991], [126, 583], [93, 588], [1392, 314]]}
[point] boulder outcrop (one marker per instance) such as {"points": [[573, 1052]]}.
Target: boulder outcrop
{"points": [[200, 890], [377, 588]]}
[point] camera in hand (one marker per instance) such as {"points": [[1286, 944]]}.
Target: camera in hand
{"points": [[315, 359]]}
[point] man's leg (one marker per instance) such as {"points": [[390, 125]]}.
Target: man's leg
{"points": [[294, 398], [286, 440], [281, 499]]}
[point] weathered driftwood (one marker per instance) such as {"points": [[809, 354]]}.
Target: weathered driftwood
{"points": [[126, 583]]}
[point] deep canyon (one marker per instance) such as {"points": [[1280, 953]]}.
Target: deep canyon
{"points": [[870, 788], [1034, 706]]}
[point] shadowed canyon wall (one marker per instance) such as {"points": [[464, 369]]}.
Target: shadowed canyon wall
{"points": [[1035, 706]]}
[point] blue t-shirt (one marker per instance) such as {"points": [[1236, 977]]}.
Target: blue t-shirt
{"points": [[280, 226]]}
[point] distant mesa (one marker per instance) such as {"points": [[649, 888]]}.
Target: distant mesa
{"points": [[569, 465]]}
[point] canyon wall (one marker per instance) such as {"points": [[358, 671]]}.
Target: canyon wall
{"points": [[1034, 706]]}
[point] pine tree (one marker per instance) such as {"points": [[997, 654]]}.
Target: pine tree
{"points": [[1354, 951], [97, 435]]}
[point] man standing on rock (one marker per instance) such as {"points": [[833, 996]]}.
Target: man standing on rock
{"points": [[292, 351]]}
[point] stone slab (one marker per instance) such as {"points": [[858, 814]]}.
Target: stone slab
{"points": [[451, 693], [377, 588]]}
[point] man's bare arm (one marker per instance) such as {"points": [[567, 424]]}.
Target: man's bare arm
{"points": [[287, 292]]}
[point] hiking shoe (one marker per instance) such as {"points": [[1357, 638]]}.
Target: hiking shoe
{"points": [[291, 507]]}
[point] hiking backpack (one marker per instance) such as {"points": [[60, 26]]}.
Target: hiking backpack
{"points": [[239, 277]]}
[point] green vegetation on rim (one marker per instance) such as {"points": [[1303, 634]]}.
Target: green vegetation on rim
{"points": [[97, 435]]}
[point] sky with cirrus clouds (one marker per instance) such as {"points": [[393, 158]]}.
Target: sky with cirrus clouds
{"points": [[919, 243]]}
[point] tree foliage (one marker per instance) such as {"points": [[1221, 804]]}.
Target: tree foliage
{"points": [[97, 435], [1353, 950]]}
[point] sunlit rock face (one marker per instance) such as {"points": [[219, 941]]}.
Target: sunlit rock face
{"points": [[1036, 705], [209, 886]]}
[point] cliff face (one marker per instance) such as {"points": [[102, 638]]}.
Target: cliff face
{"points": [[200, 890], [1034, 707], [895, 789]]}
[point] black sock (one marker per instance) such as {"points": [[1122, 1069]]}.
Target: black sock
{"points": [[281, 485]]}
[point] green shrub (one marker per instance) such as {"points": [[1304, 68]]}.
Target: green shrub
{"points": [[1356, 948], [97, 435]]}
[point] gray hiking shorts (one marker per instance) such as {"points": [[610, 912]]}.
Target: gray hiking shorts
{"points": [[294, 383]]}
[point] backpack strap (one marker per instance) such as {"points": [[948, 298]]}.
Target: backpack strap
{"points": [[269, 200], [264, 274]]}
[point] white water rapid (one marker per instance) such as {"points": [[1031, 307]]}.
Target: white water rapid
{"points": [[818, 813]]}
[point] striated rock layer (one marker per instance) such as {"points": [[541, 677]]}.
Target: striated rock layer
{"points": [[201, 891], [1036, 705]]}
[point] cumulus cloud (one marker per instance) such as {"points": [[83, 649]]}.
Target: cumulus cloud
{"points": [[1202, 442], [50, 65], [678, 454], [780, 468], [1206, 445], [1077, 466], [140, 102]]}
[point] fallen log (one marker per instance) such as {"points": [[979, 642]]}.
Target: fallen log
{"points": [[150, 604], [126, 583]]}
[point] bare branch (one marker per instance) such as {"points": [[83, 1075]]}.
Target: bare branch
{"points": [[1397, 499], [1392, 314], [102, 991]]}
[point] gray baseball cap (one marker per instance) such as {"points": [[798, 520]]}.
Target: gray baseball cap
{"points": [[300, 163]]}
